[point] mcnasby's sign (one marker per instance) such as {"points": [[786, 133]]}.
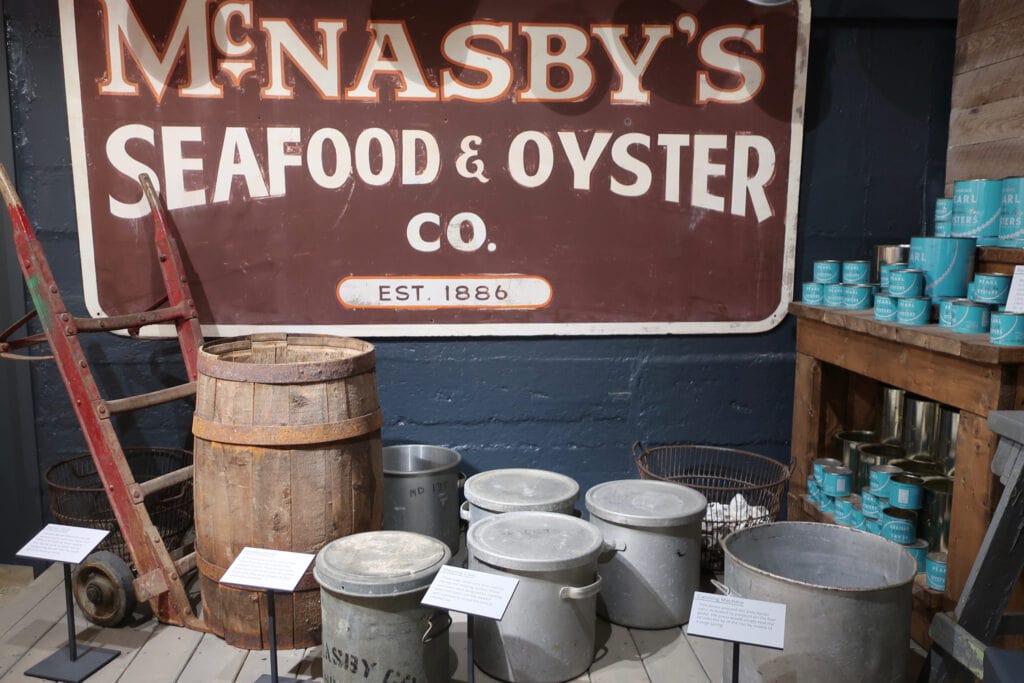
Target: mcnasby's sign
{"points": [[442, 168]]}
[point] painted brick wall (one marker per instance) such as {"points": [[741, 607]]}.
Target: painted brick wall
{"points": [[877, 110]]}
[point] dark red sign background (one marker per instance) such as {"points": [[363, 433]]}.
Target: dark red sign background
{"points": [[615, 264]]}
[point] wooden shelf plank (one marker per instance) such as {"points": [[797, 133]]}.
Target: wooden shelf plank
{"points": [[965, 384], [973, 347]]}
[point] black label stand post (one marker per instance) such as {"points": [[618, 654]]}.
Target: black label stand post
{"points": [[68, 664], [272, 625]]}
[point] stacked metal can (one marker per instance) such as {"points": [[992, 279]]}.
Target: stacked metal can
{"points": [[841, 284], [900, 488], [984, 310], [1011, 213], [977, 205], [991, 211]]}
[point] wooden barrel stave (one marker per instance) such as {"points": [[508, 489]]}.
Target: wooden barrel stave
{"points": [[251, 495]]}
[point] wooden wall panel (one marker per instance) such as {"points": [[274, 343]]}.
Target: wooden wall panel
{"points": [[989, 84], [976, 15], [986, 123]]}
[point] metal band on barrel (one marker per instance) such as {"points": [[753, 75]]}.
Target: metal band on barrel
{"points": [[286, 435]]}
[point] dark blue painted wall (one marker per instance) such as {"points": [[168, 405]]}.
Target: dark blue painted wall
{"points": [[874, 149]]}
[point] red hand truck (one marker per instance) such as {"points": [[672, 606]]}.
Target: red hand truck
{"points": [[105, 587]]}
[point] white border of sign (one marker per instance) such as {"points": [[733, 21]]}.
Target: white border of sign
{"points": [[76, 131]]}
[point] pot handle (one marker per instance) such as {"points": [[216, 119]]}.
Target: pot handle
{"points": [[638, 450], [464, 511], [460, 483], [722, 588], [609, 548], [435, 629], [582, 593]]}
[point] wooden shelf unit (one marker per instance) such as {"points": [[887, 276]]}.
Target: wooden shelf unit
{"points": [[843, 358]]}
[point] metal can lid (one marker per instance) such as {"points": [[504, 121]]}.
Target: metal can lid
{"points": [[937, 556], [907, 478], [828, 462], [413, 460], [380, 563], [968, 304], [918, 544], [513, 489], [534, 541], [899, 513], [646, 503], [839, 470], [829, 260], [857, 261], [997, 276]]}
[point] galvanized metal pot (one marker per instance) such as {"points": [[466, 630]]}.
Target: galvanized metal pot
{"points": [[421, 491], [518, 490], [847, 595], [547, 633], [652, 566], [371, 585]]}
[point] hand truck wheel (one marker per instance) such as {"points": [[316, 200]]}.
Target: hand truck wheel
{"points": [[103, 589]]}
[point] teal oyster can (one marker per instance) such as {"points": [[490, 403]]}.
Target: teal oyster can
{"points": [[935, 570], [919, 549], [1011, 213], [947, 262], [946, 311], [879, 478], [869, 503], [914, 310], [834, 296], [906, 491], [856, 272], [858, 297], [906, 282], [837, 482], [1006, 329], [991, 288], [899, 525], [813, 293], [885, 308], [943, 210], [970, 317], [884, 270], [976, 208], [818, 467], [827, 272]]}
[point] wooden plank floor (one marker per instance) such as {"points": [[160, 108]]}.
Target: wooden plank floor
{"points": [[32, 627]]}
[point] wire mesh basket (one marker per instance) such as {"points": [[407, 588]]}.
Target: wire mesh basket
{"points": [[77, 496], [720, 474]]}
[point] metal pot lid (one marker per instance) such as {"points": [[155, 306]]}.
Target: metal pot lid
{"points": [[534, 541], [646, 503], [380, 563], [515, 489]]}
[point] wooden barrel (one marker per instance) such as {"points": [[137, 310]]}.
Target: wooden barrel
{"points": [[287, 457]]}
